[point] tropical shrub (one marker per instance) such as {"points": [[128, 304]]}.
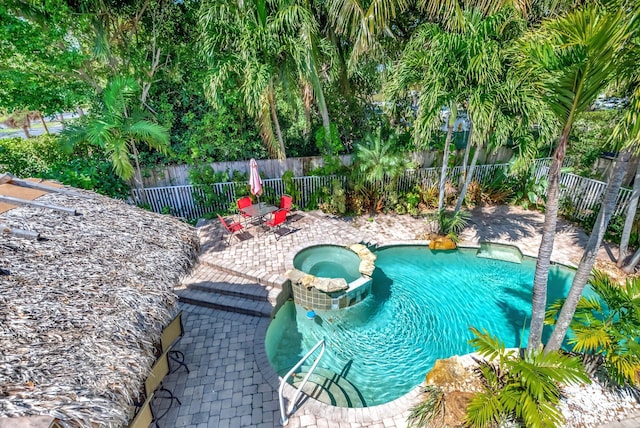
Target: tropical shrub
{"points": [[448, 224], [290, 187], [206, 194], [89, 173], [30, 157], [334, 198], [429, 410], [606, 327], [378, 165], [45, 157], [519, 390]]}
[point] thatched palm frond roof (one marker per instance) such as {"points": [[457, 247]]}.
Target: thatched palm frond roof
{"points": [[82, 310]]}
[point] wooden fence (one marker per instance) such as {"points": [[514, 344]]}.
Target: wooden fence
{"points": [[187, 200], [178, 175], [580, 196]]}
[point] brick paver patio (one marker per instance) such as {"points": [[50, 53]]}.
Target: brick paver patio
{"points": [[231, 383]]}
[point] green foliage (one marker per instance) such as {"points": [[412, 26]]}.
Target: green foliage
{"points": [[89, 173], [40, 57], [606, 327], [290, 187], [589, 137], [45, 157], [30, 157], [117, 125], [529, 192], [335, 198], [449, 224], [524, 390], [330, 147], [430, 410], [378, 165], [208, 195]]}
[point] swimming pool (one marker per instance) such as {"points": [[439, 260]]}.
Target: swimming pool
{"points": [[420, 309]]}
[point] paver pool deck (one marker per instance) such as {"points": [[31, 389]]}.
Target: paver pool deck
{"points": [[231, 383]]}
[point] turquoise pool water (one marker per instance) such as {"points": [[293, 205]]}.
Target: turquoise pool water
{"points": [[328, 261], [420, 310]]}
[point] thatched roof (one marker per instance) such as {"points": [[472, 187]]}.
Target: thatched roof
{"points": [[81, 310]]}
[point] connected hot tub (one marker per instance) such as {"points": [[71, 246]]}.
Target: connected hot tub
{"points": [[328, 261], [331, 276]]}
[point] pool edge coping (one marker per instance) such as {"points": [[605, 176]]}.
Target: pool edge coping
{"points": [[372, 414]]}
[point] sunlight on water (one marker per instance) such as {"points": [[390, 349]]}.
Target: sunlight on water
{"points": [[420, 309]]}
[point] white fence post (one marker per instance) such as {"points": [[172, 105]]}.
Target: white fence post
{"points": [[583, 194]]}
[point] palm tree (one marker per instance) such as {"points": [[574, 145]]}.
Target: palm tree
{"points": [[433, 63], [467, 65], [380, 164], [366, 22], [606, 327], [630, 219], [117, 127], [260, 46], [573, 58], [499, 104], [522, 390], [629, 130]]}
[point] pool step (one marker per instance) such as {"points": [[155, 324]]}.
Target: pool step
{"points": [[330, 388], [213, 288]]}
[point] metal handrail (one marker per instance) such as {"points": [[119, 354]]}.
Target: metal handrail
{"points": [[284, 415]]}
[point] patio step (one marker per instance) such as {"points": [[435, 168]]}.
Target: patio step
{"points": [[276, 281], [225, 302], [211, 287]]}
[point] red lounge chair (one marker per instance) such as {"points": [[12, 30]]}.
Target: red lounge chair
{"points": [[278, 219], [242, 204], [231, 228]]}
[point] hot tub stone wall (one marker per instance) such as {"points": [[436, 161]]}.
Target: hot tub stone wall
{"points": [[333, 293], [316, 299]]}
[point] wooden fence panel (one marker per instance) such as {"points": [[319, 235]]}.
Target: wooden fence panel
{"points": [[582, 194], [178, 175]]}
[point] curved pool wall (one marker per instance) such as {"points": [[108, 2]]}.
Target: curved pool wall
{"points": [[380, 324], [329, 261]]}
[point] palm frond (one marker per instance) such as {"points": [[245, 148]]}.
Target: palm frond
{"points": [[154, 135], [486, 345]]}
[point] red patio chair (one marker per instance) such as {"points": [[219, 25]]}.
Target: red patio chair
{"points": [[243, 203], [285, 202], [231, 228], [278, 219]]}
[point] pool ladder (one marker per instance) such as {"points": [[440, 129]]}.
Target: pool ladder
{"points": [[284, 413]]}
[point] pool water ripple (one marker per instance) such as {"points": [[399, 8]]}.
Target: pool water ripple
{"points": [[420, 309]]}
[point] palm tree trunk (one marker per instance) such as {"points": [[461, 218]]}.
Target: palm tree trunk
{"points": [[633, 262], [467, 180], [307, 97], [589, 255], [467, 149], [138, 174], [43, 123], [445, 156], [541, 277], [322, 105], [630, 219], [276, 123], [342, 65]]}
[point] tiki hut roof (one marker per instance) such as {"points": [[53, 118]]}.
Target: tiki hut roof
{"points": [[82, 307]]}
